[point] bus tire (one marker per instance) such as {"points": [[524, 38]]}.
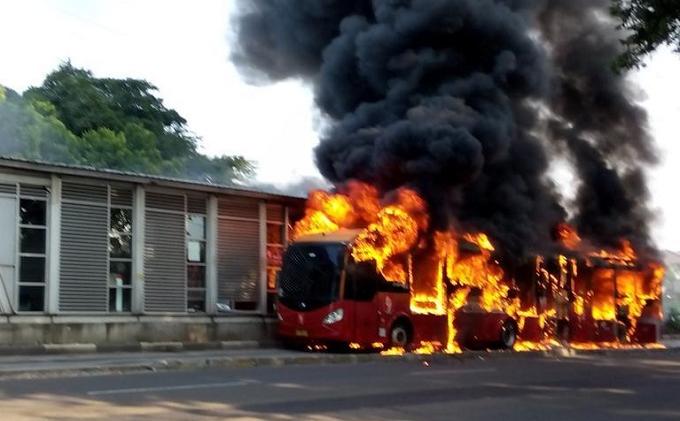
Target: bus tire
{"points": [[400, 334], [508, 334]]}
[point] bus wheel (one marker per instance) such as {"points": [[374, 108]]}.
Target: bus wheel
{"points": [[400, 335], [508, 334]]}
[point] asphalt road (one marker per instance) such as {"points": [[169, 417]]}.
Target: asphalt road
{"points": [[518, 388]]}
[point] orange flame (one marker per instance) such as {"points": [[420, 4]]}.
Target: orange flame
{"points": [[394, 232], [448, 271], [567, 236]]}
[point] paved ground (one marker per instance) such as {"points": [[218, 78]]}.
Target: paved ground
{"points": [[582, 388]]}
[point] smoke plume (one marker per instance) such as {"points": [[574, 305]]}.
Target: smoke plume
{"points": [[467, 101]]}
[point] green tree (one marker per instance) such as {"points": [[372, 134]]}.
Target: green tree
{"points": [[30, 131], [75, 117], [84, 102], [650, 24], [220, 169]]}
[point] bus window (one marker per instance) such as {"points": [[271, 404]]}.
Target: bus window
{"points": [[361, 282], [389, 286]]}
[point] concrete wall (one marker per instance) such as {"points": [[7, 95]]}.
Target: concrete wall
{"points": [[103, 330]]}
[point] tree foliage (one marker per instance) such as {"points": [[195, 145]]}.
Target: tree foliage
{"points": [[32, 131], [651, 23], [74, 117]]}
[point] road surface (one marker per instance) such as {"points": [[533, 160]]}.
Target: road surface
{"points": [[582, 388]]}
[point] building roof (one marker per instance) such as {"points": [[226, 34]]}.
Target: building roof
{"points": [[141, 178]]}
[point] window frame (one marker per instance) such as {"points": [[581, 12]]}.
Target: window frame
{"points": [[20, 254], [111, 288], [204, 264], [282, 245]]}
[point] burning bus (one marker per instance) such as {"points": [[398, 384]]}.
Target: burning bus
{"points": [[327, 296], [367, 272]]}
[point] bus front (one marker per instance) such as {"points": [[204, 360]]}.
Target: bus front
{"points": [[310, 309]]}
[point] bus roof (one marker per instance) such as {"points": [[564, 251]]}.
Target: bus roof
{"points": [[341, 236], [346, 236]]}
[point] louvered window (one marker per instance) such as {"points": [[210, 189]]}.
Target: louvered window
{"points": [[96, 248], [165, 253], [238, 270], [8, 189], [84, 248]]}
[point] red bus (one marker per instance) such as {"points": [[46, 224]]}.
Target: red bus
{"points": [[325, 297]]}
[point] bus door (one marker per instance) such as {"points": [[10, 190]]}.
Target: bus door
{"points": [[360, 292]]}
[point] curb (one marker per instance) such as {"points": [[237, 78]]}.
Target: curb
{"points": [[169, 364], [89, 348]]}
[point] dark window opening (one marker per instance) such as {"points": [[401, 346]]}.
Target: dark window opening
{"points": [[121, 221], [31, 298], [120, 246], [120, 300], [274, 234], [195, 276], [120, 273], [245, 305], [33, 240], [361, 281], [32, 270], [196, 300], [33, 212]]}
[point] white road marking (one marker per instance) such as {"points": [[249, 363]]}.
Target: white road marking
{"points": [[463, 371], [168, 388]]}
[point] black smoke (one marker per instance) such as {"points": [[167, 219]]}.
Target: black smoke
{"points": [[466, 101], [597, 121]]}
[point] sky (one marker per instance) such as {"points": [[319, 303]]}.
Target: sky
{"points": [[182, 47]]}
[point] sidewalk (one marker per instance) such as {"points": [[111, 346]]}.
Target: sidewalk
{"points": [[59, 365], [54, 365]]}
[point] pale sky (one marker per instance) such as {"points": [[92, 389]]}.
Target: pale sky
{"points": [[182, 46]]}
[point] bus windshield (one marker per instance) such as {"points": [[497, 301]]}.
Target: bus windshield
{"points": [[310, 276]]}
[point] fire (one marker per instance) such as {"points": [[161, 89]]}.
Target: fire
{"points": [[567, 236], [579, 306], [481, 239], [393, 351], [365, 200], [427, 348], [324, 213], [456, 301], [449, 271], [394, 232], [315, 222], [528, 346], [327, 212]]}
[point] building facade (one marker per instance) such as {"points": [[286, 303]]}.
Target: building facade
{"points": [[115, 257]]}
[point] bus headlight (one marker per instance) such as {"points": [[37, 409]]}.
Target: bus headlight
{"points": [[334, 317]]}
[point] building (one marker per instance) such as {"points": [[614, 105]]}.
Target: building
{"points": [[111, 257], [671, 283]]}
